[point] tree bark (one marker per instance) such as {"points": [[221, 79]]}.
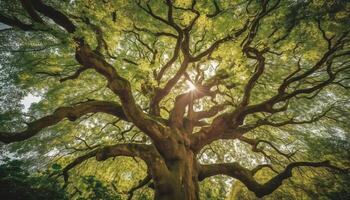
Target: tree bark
{"points": [[181, 181], [175, 173]]}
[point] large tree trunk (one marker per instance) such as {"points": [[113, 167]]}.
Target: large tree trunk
{"points": [[180, 180]]}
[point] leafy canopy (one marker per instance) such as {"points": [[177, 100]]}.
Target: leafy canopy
{"points": [[252, 82]]}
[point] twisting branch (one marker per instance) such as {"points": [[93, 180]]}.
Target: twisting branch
{"points": [[145, 152], [246, 176], [75, 75], [214, 110], [75, 163], [141, 184], [121, 87], [154, 33], [72, 113], [169, 21], [219, 42], [254, 143], [259, 69], [217, 10], [172, 59]]}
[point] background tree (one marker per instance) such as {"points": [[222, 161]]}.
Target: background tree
{"points": [[194, 89]]}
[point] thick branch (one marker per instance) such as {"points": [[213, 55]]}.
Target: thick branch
{"points": [[50, 12], [247, 176], [76, 162], [30, 10], [121, 87], [142, 151], [71, 112]]}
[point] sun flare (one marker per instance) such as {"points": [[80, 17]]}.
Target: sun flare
{"points": [[190, 86]]}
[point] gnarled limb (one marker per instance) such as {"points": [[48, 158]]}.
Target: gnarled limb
{"points": [[169, 21], [145, 152], [121, 87], [246, 176], [217, 11], [76, 162], [254, 143], [75, 75], [71, 112], [141, 183]]}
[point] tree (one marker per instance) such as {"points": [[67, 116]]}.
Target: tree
{"points": [[186, 74]]}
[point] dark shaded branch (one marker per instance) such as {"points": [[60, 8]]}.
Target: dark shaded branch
{"points": [[214, 110], [217, 10], [75, 75], [162, 92], [143, 151], [169, 21], [14, 22], [50, 12], [72, 113], [156, 34], [30, 10], [259, 69], [131, 150], [217, 43], [141, 184], [121, 87], [246, 176], [254, 143], [172, 59], [130, 61], [76, 162]]}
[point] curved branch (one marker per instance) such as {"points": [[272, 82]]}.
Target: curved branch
{"points": [[76, 162], [71, 112], [217, 11], [145, 152], [254, 143], [121, 87], [214, 110], [246, 176], [141, 183], [75, 75]]}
